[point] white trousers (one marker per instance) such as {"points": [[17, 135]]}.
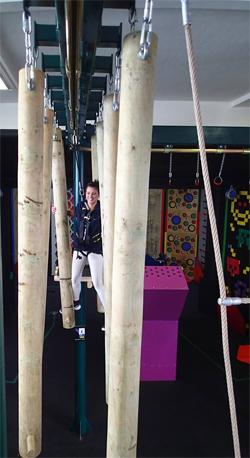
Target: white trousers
{"points": [[96, 270]]}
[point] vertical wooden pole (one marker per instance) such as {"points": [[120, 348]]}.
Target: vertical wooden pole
{"points": [[110, 123], [132, 182], [99, 143], [62, 230], [47, 177], [94, 162], [99, 162], [31, 315]]}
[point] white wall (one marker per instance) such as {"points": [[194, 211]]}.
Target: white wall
{"points": [[8, 115], [166, 114], [213, 114]]}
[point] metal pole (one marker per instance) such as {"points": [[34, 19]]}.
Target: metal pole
{"points": [[81, 424], [3, 428]]}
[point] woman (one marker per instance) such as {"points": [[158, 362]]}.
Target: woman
{"points": [[87, 243]]}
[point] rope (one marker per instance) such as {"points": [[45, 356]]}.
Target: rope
{"points": [[245, 300], [215, 239]]}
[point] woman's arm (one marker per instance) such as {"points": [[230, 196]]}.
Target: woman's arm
{"points": [[70, 213]]}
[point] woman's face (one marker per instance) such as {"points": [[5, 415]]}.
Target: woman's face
{"points": [[92, 196]]}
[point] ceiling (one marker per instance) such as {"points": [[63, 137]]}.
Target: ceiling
{"points": [[220, 31]]}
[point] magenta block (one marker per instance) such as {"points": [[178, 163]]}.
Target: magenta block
{"points": [[165, 291]]}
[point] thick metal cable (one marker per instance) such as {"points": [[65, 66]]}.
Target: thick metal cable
{"points": [[217, 253]]}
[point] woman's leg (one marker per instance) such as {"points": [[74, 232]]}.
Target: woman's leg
{"points": [[96, 269], [78, 263]]}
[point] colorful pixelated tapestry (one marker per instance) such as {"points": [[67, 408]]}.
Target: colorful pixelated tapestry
{"points": [[182, 228], [237, 243]]}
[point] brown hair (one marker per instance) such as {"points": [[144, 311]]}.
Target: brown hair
{"points": [[93, 184]]}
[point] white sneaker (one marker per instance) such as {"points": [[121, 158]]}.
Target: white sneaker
{"points": [[76, 307]]}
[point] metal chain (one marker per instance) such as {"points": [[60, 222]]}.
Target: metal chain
{"points": [[132, 19], [117, 84], [100, 114], [146, 30], [218, 180], [35, 55], [111, 83], [197, 175], [29, 65], [170, 174]]}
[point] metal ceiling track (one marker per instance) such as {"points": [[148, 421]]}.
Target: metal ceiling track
{"points": [[77, 94]]}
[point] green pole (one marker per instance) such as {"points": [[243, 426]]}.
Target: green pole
{"points": [[81, 424], [3, 427]]}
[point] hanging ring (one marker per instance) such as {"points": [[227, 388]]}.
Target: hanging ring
{"points": [[218, 180], [197, 182]]}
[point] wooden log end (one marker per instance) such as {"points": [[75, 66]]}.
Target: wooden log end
{"points": [[31, 446], [68, 322]]}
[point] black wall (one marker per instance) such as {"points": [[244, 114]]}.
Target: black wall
{"points": [[235, 172]]}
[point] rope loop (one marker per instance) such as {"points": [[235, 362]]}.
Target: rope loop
{"points": [[218, 180]]}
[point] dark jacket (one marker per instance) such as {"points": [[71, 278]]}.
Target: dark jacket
{"points": [[88, 235]]}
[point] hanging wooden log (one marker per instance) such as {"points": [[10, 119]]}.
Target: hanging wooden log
{"points": [[98, 168], [99, 143], [110, 122], [132, 183], [94, 162], [95, 176], [31, 316], [62, 230], [47, 177]]}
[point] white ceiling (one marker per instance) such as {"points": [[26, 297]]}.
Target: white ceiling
{"points": [[221, 37]]}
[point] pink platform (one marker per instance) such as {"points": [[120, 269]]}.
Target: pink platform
{"points": [[165, 292]]}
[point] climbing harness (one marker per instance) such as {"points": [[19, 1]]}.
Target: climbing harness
{"points": [[218, 180], [146, 30], [215, 237]]}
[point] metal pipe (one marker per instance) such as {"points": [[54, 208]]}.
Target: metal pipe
{"points": [[78, 62], [68, 6], [187, 150]]}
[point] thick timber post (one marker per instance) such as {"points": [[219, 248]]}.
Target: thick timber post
{"points": [[62, 230], [47, 177], [110, 140], [99, 142], [132, 183], [31, 313], [94, 163], [98, 161]]}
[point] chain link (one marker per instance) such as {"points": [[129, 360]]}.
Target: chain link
{"points": [[29, 64], [132, 19], [146, 31], [197, 175], [170, 174], [117, 84]]}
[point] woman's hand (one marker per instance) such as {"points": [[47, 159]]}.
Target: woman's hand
{"points": [[53, 209]]}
